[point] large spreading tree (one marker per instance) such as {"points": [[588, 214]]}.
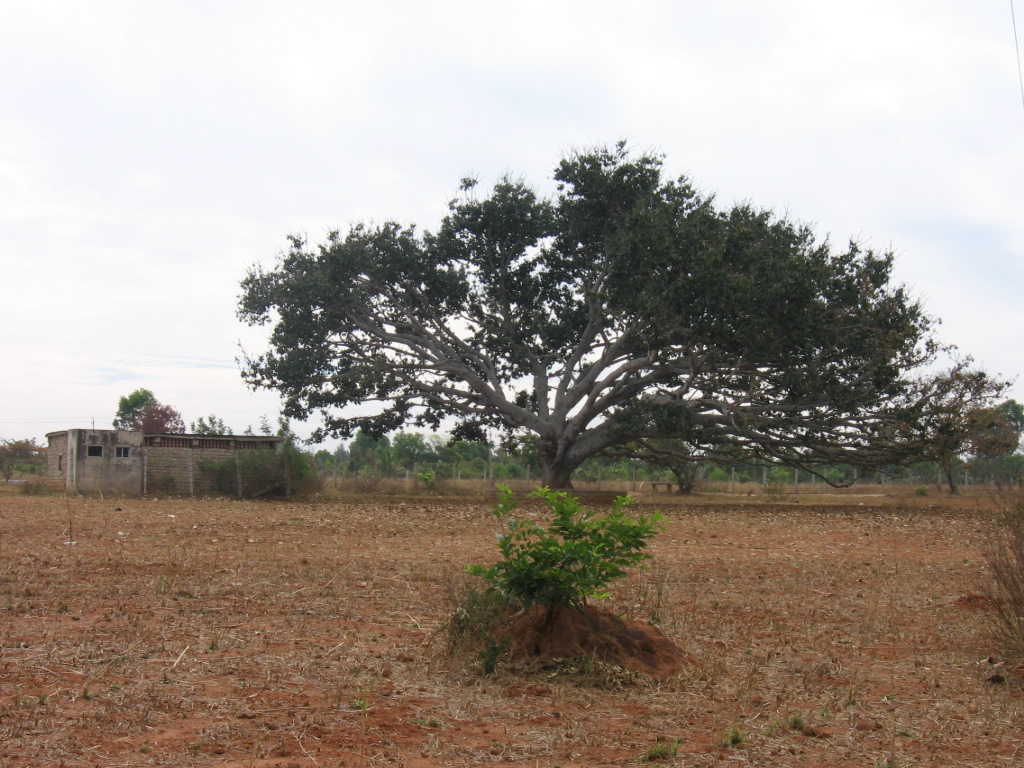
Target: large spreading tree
{"points": [[624, 309]]}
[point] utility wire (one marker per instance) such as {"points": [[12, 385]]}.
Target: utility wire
{"points": [[45, 421], [1016, 45]]}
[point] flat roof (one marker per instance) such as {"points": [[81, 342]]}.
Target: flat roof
{"points": [[266, 438]]}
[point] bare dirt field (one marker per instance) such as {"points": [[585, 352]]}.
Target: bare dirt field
{"points": [[845, 631]]}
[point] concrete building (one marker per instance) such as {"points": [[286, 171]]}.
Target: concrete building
{"points": [[123, 462]]}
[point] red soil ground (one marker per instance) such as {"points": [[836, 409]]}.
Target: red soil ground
{"points": [[830, 632]]}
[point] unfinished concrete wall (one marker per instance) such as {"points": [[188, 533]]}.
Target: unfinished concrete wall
{"points": [[105, 461], [56, 459], [191, 470], [190, 465], [97, 461]]}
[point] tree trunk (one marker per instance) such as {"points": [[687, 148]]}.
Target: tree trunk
{"points": [[953, 490], [684, 479], [558, 476], [556, 470]]}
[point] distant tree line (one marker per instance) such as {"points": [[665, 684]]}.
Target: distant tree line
{"points": [[985, 452], [961, 445], [21, 457]]}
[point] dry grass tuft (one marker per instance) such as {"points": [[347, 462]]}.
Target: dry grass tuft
{"points": [[1005, 557]]}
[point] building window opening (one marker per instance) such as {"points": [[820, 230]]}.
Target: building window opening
{"points": [[122, 452], [94, 450]]}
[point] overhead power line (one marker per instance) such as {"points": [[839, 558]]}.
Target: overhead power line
{"points": [[46, 421], [1016, 46]]}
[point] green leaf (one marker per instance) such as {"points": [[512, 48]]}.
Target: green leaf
{"points": [[572, 559]]}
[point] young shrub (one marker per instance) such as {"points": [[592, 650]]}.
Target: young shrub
{"points": [[572, 559], [427, 479]]}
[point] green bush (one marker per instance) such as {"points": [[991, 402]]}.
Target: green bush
{"points": [[570, 560], [427, 479]]}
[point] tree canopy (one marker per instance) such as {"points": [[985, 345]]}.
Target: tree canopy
{"points": [[140, 410], [626, 307], [209, 425]]}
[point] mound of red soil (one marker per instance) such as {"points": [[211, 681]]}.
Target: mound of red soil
{"points": [[565, 632]]}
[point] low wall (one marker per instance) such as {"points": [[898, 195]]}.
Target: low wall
{"points": [[203, 466]]}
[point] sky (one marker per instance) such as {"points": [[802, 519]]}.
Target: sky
{"points": [[151, 153]]}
